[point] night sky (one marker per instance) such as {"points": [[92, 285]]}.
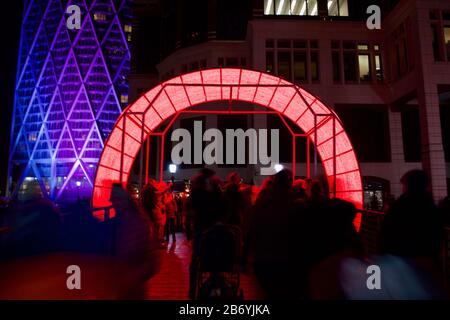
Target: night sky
{"points": [[10, 23]]}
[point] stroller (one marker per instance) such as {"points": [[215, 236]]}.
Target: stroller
{"points": [[218, 276]]}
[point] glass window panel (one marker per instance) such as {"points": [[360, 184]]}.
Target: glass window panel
{"points": [[298, 7], [269, 43], [350, 66], [284, 65], [232, 62], [299, 44], [315, 66], [349, 45], [379, 68], [283, 7], [446, 15], [284, 43], [447, 41], [333, 8], [269, 62], [336, 67], [300, 66], [436, 43], [363, 47], [343, 8], [376, 47], [364, 67], [314, 44], [269, 7], [335, 44], [312, 8]]}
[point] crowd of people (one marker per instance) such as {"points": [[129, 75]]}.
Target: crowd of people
{"points": [[299, 243]]}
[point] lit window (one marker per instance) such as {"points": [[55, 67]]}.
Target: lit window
{"points": [[378, 68], [338, 8], [447, 41], [269, 7], [364, 67], [128, 28], [124, 98], [99, 17], [283, 7], [293, 7], [363, 47], [312, 8]]}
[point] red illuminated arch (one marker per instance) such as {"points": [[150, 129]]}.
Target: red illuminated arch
{"points": [[138, 121]]}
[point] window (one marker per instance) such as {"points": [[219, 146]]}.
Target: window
{"points": [[411, 134], [128, 28], [364, 68], [350, 66], [284, 64], [336, 66], [194, 66], [337, 8], [437, 47], [232, 62], [368, 128], [99, 17], [379, 68], [300, 73], [293, 60], [402, 57], [294, 7], [447, 41], [314, 66], [124, 99], [270, 62], [360, 60]]}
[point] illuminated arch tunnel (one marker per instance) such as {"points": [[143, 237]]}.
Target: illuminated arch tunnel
{"points": [[140, 119]]}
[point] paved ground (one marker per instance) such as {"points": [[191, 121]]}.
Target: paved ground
{"points": [[172, 282]]}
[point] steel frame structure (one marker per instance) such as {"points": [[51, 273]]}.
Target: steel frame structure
{"points": [[141, 119], [68, 93]]}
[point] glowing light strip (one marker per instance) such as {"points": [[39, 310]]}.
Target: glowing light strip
{"points": [[251, 86]]}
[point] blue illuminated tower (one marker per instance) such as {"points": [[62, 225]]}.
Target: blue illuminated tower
{"points": [[71, 87]]}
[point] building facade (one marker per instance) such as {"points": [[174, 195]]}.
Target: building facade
{"points": [[390, 87], [71, 87]]}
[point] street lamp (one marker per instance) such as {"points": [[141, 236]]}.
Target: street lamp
{"points": [[172, 170], [278, 167], [78, 184]]}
